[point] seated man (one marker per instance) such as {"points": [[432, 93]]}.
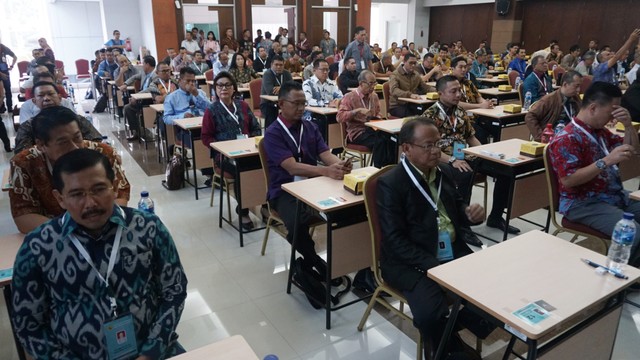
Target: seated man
{"points": [[538, 83], [199, 65], [428, 68], [607, 60], [456, 130], [384, 67], [570, 61], [30, 108], [144, 290], [131, 110], [108, 66], [163, 84], [586, 156], [272, 80], [519, 64], [585, 67], [479, 66], [561, 105], [307, 72], [261, 62], [631, 99], [510, 55], [421, 216], [57, 132], [293, 65], [188, 101], [405, 82], [321, 91], [181, 60], [294, 147], [222, 64], [47, 97], [36, 53], [124, 72], [358, 107], [349, 77]]}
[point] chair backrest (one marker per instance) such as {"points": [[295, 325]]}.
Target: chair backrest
{"points": [[552, 186], [370, 197], [557, 74], [512, 78], [82, 67], [330, 59], [520, 94], [209, 75], [59, 64], [264, 162], [343, 134], [552, 63], [22, 67], [586, 82], [254, 89], [386, 94]]}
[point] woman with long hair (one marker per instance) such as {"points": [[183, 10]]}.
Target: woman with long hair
{"points": [[211, 48], [240, 71]]}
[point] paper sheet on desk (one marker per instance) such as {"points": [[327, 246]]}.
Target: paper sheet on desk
{"points": [[6, 274]]}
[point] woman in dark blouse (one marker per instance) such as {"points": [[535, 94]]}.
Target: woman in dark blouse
{"points": [[228, 118], [242, 73]]}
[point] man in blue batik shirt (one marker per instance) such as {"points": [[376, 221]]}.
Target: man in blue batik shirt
{"points": [[97, 264], [188, 101], [519, 64]]}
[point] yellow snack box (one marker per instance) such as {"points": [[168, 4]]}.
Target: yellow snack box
{"points": [[620, 126], [498, 68], [532, 149], [257, 139], [503, 77], [504, 88], [433, 96], [354, 183], [512, 108]]}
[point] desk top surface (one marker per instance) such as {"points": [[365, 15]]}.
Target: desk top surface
{"points": [[6, 181], [322, 110], [9, 245], [495, 92], [421, 101], [157, 107], [238, 148], [315, 191], [389, 126], [231, 348], [510, 148], [382, 78], [189, 123], [273, 98], [494, 80], [142, 96], [528, 268], [635, 195], [497, 112]]}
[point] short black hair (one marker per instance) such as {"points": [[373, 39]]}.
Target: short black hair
{"points": [[277, 58], [408, 128], [574, 48], [456, 60], [601, 93], [358, 29], [428, 55], [408, 56], [115, 31], [346, 60], [187, 70], [287, 87], [149, 60], [49, 119], [197, 52], [41, 83], [441, 84], [316, 63], [567, 78], [226, 75], [37, 77], [182, 48], [77, 160]]}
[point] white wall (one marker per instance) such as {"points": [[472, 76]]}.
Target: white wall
{"points": [[146, 24], [123, 15], [384, 13], [418, 24], [76, 30], [269, 19], [194, 14], [454, 2]]}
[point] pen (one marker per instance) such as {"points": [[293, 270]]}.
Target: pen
{"points": [[610, 271]]}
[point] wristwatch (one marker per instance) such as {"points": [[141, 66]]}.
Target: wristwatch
{"points": [[600, 164], [452, 160]]}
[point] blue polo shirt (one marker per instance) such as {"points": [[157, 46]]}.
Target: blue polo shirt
{"points": [[280, 147]]}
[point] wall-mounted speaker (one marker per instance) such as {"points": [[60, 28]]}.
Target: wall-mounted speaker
{"points": [[502, 7]]}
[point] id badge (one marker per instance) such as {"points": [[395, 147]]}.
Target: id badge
{"points": [[457, 150], [242, 136], [445, 253], [362, 65], [120, 338], [299, 178]]}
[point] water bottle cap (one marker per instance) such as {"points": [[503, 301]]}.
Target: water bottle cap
{"points": [[144, 194], [628, 216], [271, 357], [104, 137]]}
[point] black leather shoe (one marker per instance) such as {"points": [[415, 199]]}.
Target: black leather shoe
{"points": [[7, 148], [134, 137], [500, 224], [472, 239], [364, 281]]}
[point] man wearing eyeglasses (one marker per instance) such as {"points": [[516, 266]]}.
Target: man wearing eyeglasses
{"points": [[57, 132], [100, 281], [421, 216], [405, 82], [457, 133]]}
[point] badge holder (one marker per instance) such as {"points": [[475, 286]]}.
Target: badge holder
{"points": [[457, 150], [119, 334]]}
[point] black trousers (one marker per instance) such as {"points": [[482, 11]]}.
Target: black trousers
{"points": [[3, 135], [7, 91], [131, 116], [269, 111], [285, 205], [400, 111], [380, 145]]}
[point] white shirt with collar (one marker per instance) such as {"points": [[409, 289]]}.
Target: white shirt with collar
{"points": [[320, 94], [632, 74]]}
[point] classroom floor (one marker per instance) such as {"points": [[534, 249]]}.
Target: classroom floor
{"points": [[234, 290]]}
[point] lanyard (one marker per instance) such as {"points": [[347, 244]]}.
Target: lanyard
{"points": [[543, 82], [112, 261], [168, 90], [422, 190], [297, 144], [278, 80], [264, 62], [423, 69], [362, 101], [453, 118], [569, 111], [232, 114], [198, 67], [600, 144]]}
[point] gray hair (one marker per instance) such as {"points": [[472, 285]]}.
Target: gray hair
{"points": [[363, 75]]}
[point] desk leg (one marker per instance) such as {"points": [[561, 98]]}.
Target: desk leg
{"points": [[512, 185], [184, 158], [455, 309], [239, 201], [293, 244], [7, 300], [328, 275], [221, 190], [507, 352], [532, 353], [193, 155]]}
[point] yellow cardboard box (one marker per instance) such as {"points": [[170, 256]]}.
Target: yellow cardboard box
{"points": [[503, 77], [532, 149], [512, 108], [620, 126], [432, 96], [354, 183], [504, 88]]}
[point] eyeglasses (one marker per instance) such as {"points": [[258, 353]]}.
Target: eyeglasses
{"points": [[323, 69], [370, 83], [433, 147], [165, 70], [296, 103], [97, 192], [224, 86]]}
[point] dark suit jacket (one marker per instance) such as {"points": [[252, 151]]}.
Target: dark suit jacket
{"points": [[409, 229]]}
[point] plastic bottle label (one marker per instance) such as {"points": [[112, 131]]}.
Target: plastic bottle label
{"points": [[623, 237]]}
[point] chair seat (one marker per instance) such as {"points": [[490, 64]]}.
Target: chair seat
{"points": [[85, 76], [360, 148], [583, 228], [227, 175]]}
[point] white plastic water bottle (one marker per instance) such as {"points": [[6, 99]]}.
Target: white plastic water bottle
{"points": [[559, 127], [527, 101], [72, 95], [621, 242], [145, 203], [105, 140], [518, 82]]}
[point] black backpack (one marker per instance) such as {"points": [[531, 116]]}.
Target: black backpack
{"points": [[175, 173], [312, 283]]}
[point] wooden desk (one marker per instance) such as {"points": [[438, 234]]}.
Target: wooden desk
{"points": [[527, 176], [200, 153], [497, 94], [508, 125], [9, 246], [417, 106], [349, 242], [232, 348], [391, 128], [493, 81], [496, 72], [248, 176], [382, 79], [6, 180], [272, 98], [528, 268], [142, 96], [330, 124], [635, 196]]}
